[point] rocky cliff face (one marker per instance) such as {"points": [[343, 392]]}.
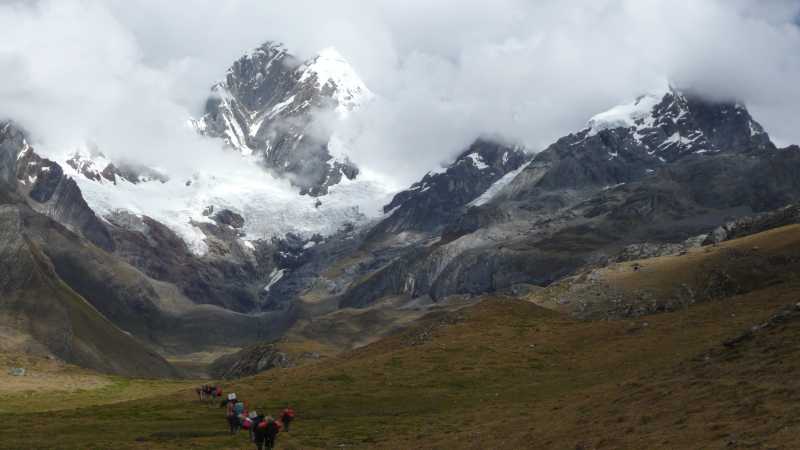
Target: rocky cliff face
{"points": [[249, 361], [441, 196], [268, 105], [745, 226], [41, 184], [11, 141], [59, 197]]}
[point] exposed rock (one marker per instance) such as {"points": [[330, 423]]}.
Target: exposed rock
{"points": [[42, 184], [229, 218], [228, 276], [440, 197], [59, 197], [651, 250], [249, 361], [784, 315], [746, 226]]}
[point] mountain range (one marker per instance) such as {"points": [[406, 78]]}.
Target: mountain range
{"points": [[119, 267]]}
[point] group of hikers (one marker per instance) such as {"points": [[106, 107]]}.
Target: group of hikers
{"points": [[209, 393], [263, 430]]}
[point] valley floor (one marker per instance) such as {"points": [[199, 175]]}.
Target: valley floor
{"points": [[504, 373]]}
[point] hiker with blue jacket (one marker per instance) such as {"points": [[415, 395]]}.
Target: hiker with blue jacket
{"points": [[231, 413]]}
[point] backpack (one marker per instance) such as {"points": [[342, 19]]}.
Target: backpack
{"points": [[238, 408]]}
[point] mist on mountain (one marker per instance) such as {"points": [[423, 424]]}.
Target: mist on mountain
{"points": [[127, 75]]}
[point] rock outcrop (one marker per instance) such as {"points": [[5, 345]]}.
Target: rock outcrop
{"points": [[249, 361]]}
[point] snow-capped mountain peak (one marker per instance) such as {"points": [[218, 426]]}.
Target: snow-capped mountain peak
{"points": [[330, 70], [267, 107], [669, 123]]}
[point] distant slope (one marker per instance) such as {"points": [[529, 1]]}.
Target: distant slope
{"points": [[37, 302], [668, 283]]}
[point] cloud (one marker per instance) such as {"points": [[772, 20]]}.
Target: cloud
{"points": [[126, 74]]}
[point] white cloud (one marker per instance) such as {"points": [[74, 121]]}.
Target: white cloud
{"points": [[127, 73]]}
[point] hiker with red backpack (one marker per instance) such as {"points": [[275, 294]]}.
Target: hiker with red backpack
{"points": [[249, 423], [259, 427], [266, 432], [287, 416]]}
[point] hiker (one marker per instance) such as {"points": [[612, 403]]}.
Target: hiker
{"points": [[259, 428], [199, 392], [239, 408], [230, 413], [273, 428], [249, 424], [287, 416], [266, 432], [211, 394]]}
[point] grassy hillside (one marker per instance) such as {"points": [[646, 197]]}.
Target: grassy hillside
{"points": [[505, 373], [51, 385]]}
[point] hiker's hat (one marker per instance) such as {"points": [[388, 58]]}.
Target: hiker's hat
{"points": [[232, 396]]}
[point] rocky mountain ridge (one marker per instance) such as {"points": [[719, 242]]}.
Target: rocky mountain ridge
{"points": [[626, 179]]}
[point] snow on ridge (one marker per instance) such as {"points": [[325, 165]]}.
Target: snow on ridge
{"points": [[438, 170], [477, 160], [626, 115], [274, 277], [498, 186]]}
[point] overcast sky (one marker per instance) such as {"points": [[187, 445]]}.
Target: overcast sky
{"points": [[127, 73]]}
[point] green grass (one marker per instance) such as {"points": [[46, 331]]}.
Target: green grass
{"points": [[118, 390]]}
